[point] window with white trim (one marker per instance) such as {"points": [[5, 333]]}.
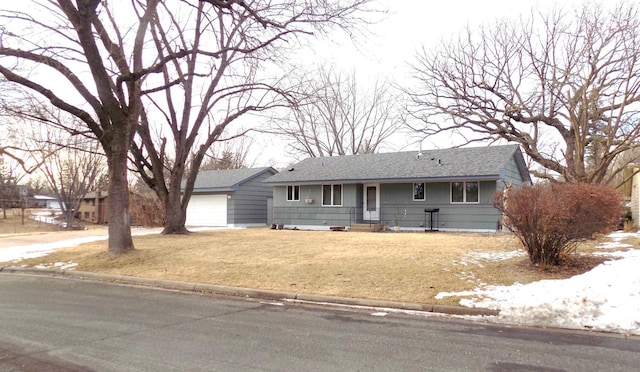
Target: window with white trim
{"points": [[465, 192], [331, 195], [418, 191], [293, 193]]}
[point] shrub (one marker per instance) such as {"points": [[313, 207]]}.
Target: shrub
{"points": [[146, 210], [550, 219]]}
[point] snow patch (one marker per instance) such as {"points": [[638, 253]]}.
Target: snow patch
{"points": [[606, 298], [57, 265]]}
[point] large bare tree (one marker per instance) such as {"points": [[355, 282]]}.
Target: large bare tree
{"points": [[97, 59], [334, 114], [565, 85], [230, 52], [76, 57]]}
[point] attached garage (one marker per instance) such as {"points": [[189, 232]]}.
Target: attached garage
{"points": [[207, 210], [231, 197]]}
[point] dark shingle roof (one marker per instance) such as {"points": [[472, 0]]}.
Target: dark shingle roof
{"points": [[226, 179], [446, 164]]}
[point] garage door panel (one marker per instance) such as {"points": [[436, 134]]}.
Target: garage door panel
{"points": [[207, 210]]}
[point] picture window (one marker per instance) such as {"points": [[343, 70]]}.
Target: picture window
{"points": [[465, 192], [331, 195]]}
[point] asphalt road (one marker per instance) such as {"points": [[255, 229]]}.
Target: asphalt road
{"points": [[54, 324]]}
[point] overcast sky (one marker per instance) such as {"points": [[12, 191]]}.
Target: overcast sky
{"points": [[393, 42], [405, 29]]}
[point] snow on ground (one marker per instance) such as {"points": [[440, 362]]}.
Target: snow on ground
{"points": [[42, 249], [478, 257], [57, 265], [606, 298]]}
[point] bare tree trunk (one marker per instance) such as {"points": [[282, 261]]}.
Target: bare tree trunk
{"points": [[175, 211], [120, 240], [69, 217], [175, 216]]}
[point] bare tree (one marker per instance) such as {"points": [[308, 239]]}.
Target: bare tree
{"points": [[11, 137], [96, 60], [230, 154], [334, 115], [71, 165], [229, 55], [563, 85]]}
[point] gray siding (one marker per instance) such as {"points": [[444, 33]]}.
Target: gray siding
{"points": [[396, 201], [299, 213], [511, 173], [248, 204]]}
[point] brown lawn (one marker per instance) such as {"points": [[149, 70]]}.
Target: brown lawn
{"points": [[14, 223], [411, 267]]}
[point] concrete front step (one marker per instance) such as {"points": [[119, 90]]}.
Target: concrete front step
{"points": [[365, 227]]}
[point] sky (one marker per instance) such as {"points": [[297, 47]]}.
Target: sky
{"points": [[395, 39], [607, 298], [391, 46]]}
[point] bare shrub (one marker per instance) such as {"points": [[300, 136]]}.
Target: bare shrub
{"points": [[146, 210], [550, 219]]}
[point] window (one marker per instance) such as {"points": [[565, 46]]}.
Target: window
{"points": [[86, 215], [418, 191], [293, 193], [471, 192], [372, 198], [331, 195], [465, 192]]}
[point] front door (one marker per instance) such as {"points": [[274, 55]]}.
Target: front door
{"points": [[371, 205]]}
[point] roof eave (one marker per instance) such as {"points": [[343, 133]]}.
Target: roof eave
{"points": [[489, 177], [213, 189]]}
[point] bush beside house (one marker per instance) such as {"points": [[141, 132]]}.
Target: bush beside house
{"points": [[550, 219]]}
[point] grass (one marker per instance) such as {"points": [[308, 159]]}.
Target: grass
{"points": [[411, 267], [13, 224]]}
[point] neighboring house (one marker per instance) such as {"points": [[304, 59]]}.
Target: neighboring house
{"points": [[399, 189], [94, 207], [44, 201], [230, 197]]}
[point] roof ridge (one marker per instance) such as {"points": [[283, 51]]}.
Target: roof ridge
{"points": [[480, 162]]}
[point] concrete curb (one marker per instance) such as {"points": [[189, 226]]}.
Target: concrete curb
{"points": [[250, 293]]}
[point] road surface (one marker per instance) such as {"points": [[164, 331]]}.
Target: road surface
{"points": [[57, 324]]}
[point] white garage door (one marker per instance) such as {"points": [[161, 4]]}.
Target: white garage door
{"points": [[207, 210]]}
